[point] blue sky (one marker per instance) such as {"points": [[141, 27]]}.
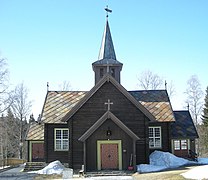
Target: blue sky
{"points": [[57, 40]]}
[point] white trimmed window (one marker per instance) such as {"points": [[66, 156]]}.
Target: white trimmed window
{"points": [[184, 144], [61, 139], [177, 145], [180, 144], [155, 137]]}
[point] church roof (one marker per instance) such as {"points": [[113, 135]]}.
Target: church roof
{"points": [[107, 53], [156, 102], [183, 127], [57, 105], [109, 78]]}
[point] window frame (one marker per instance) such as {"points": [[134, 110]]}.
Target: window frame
{"points": [[154, 137], [177, 145], [61, 139], [183, 144]]}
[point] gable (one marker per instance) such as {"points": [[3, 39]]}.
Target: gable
{"points": [[101, 120], [59, 106], [183, 127], [106, 79]]}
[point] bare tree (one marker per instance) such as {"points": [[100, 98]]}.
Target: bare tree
{"points": [[194, 98], [21, 110], [150, 81], [170, 89], [2, 141], [5, 97], [65, 86]]}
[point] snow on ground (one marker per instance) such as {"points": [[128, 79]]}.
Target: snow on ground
{"points": [[164, 160], [54, 167], [4, 167], [110, 178], [158, 161], [159, 158], [199, 172], [202, 161]]}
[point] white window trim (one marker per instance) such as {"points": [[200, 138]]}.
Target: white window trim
{"points": [[185, 143], [180, 144], [55, 129], [156, 147]]}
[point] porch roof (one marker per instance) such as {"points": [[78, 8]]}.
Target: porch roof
{"points": [[101, 120]]}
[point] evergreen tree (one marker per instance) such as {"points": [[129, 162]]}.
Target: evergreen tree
{"points": [[205, 110], [9, 135], [203, 130], [11, 127]]}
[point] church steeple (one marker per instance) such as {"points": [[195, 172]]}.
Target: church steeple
{"points": [[107, 62], [107, 49]]}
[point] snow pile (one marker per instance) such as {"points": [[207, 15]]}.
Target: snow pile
{"points": [[202, 161], [161, 161], [54, 167], [145, 168], [200, 172], [166, 159], [4, 167]]}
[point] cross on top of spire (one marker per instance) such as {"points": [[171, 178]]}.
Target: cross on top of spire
{"points": [[107, 11]]}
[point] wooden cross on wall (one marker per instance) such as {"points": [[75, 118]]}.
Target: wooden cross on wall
{"points": [[109, 104]]}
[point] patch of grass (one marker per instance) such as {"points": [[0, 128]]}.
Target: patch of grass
{"points": [[47, 176], [165, 175]]}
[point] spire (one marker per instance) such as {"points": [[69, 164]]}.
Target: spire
{"points": [[107, 62], [107, 49]]}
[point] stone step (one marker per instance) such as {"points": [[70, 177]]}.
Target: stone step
{"points": [[108, 173], [34, 166]]}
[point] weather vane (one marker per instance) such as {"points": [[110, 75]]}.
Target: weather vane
{"points": [[107, 11]]}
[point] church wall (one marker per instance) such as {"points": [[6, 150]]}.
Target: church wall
{"points": [[142, 145], [94, 108], [50, 154], [193, 145], [166, 141]]}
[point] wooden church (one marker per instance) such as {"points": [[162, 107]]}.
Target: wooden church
{"points": [[108, 127]]}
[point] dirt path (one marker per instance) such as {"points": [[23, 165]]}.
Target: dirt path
{"points": [[171, 174], [165, 175]]}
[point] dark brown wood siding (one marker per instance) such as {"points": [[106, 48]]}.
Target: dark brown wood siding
{"points": [[165, 133], [94, 108], [50, 153], [101, 134], [143, 145], [193, 145]]}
